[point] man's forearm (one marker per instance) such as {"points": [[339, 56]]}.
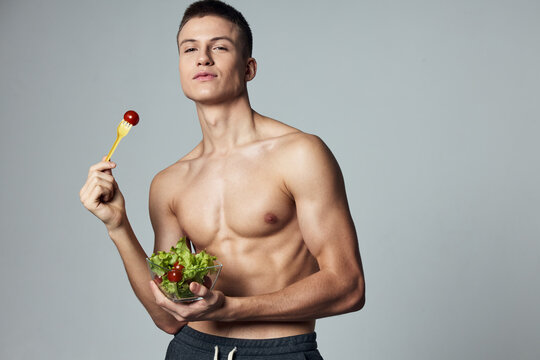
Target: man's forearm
{"points": [[133, 257], [319, 295]]}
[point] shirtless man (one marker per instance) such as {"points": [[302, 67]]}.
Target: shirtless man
{"points": [[265, 198]]}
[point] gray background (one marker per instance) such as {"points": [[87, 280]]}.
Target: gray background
{"points": [[431, 108]]}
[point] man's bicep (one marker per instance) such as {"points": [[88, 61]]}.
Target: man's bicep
{"points": [[167, 231], [316, 183]]}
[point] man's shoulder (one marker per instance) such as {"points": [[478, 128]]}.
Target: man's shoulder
{"points": [[289, 137], [297, 151], [298, 146], [297, 155], [301, 141]]}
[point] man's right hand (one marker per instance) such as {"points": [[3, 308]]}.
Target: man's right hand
{"points": [[101, 195]]}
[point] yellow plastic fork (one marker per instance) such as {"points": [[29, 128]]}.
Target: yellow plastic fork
{"points": [[121, 131]]}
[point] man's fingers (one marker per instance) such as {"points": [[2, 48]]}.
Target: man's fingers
{"points": [[98, 194], [163, 302], [101, 170], [102, 166], [198, 289], [98, 175], [108, 171], [98, 179], [96, 188], [192, 311]]}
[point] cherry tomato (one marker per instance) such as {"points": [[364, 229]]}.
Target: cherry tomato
{"points": [[158, 279], [131, 117], [178, 266], [174, 275]]}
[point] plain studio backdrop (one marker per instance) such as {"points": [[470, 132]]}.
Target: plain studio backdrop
{"points": [[430, 107]]}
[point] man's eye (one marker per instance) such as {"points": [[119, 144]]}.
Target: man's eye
{"points": [[189, 50], [220, 48]]}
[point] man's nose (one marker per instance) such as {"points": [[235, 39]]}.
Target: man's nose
{"points": [[205, 59]]}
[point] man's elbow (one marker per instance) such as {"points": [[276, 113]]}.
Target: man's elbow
{"points": [[360, 302], [169, 328], [357, 295]]}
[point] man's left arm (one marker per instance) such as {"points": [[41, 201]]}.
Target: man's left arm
{"points": [[314, 180]]}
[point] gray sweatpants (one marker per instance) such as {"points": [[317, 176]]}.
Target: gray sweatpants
{"points": [[190, 344]]}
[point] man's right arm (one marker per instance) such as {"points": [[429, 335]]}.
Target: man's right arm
{"points": [[101, 196]]}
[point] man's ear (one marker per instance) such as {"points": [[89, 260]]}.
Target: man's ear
{"points": [[251, 69]]}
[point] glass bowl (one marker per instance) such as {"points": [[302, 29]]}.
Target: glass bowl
{"points": [[179, 291]]}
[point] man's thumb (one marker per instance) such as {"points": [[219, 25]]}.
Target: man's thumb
{"points": [[197, 289]]}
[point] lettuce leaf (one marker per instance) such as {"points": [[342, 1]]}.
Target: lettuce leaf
{"points": [[195, 268]]}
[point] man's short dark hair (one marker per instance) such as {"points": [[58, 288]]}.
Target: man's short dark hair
{"points": [[223, 10]]}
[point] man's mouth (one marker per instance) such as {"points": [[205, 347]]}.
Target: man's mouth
{"points": [[203, 76]]}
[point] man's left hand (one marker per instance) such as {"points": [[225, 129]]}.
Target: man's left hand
{"points": [[203, 309]]}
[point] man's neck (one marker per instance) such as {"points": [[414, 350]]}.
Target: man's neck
{"points": [[226, 126]]}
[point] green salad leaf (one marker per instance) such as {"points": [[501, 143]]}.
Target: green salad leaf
{"points": [[195, 268]]}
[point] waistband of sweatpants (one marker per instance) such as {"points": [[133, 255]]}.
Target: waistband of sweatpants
{"points": [[275, 346]]}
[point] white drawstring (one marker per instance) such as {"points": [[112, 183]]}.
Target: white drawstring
{"points": [[231, 354]]}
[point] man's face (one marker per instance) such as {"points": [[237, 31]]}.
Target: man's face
{"points": [[212, 65]]}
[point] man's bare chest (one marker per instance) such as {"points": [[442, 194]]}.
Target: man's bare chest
{"points": [[240, 197]]}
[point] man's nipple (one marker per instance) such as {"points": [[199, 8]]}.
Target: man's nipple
{"points": [[270, 218]]}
